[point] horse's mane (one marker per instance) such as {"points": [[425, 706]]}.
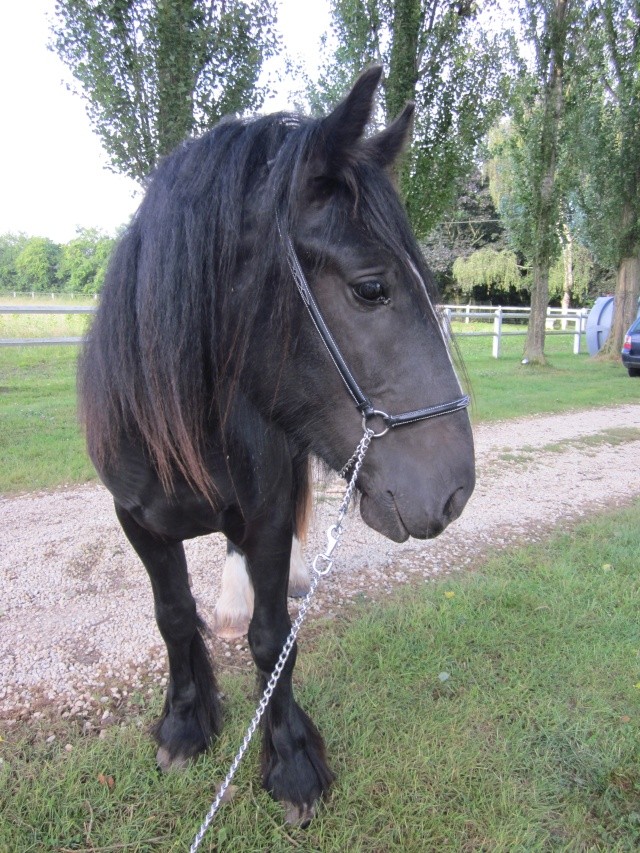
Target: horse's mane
{"points": [[166, 352]]}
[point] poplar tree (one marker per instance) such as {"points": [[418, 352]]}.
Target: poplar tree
{"points": [[606, 134], [153, 72], [531, 204]]}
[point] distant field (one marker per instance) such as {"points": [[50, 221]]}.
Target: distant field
{"points": [[41, 447], [44, 325]]}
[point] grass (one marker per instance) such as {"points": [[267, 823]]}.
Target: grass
{"points": [[493, 711], [41, 447], [504, 388], [40, 442]]}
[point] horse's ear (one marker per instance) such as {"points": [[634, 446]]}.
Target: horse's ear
{"points": [[341, 130], [385, 147]]}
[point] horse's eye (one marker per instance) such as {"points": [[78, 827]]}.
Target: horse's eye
{"points": [[372, 292]]}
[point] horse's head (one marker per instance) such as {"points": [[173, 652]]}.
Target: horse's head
{"points": [[356, 251]]}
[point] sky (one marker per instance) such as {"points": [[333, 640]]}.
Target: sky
{"points": [[53, 175]]}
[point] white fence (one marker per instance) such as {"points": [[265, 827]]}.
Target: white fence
{"points": [[41, 309], [41, 294], [576, 318]]}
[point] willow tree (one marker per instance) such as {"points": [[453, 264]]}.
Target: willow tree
{"points": [[497, 271], [153, 72], [444, 56], [607, 139]]}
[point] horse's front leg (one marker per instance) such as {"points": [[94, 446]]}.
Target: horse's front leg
{"points": [[294, 768], [191, 715]]}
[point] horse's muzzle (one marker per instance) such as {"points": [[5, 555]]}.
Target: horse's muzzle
{"points": [[401, 515]]}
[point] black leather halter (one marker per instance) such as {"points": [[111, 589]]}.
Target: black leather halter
{"points": [[363, 403]]}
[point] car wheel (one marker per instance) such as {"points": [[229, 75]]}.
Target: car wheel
{"points": [[634, 371]]}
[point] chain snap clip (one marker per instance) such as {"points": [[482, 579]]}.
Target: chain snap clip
{"points": [[333, 537]]}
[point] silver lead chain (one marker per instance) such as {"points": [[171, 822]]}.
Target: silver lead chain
{"points": [[322, 565]]}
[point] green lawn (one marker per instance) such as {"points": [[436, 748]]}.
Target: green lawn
{"points": [[492, 711], [40, 443]]}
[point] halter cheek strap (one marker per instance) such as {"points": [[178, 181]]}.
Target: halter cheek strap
{"points": [[363, 403]]}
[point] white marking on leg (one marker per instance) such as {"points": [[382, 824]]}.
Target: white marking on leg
{"points": [[299, 580], [235, 605]]}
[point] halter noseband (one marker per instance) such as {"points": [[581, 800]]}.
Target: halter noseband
{"points": [[363, 403]]}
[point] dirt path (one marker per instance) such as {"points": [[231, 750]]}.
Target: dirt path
{"points": [[77, 632]]}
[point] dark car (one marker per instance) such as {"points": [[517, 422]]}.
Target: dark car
{"points": [[631, 349]]}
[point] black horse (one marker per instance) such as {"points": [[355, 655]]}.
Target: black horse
{"points": [[205, 386]]}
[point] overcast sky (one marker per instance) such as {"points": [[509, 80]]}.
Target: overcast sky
{"points": [[52, 168]]}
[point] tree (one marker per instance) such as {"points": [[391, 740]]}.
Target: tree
{"points": [[471, 224], [496, 272], [607, 135], [37, 265], [527, 152], [573, 276], [84, 260], [441, 55], [10, 247], [153, 72]]}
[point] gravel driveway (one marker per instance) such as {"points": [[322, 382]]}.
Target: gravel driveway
{"points": [[77, 633]]}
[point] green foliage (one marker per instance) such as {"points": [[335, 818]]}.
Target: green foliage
{"points": [[606, 132], [516, 171], [152, 73], [36, 265], [40, 265], [496, 271], [472, 224], [447, 59], [583, 276], [84, 261], [10, 247]]}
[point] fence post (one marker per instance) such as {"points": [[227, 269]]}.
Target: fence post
{"points": [[446, 316], [577, 336], [467, 311], [497, 332]]}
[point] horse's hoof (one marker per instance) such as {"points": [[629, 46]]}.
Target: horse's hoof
{"points": [[231, 630], [169, 764], [299, 815], [230, 625]]}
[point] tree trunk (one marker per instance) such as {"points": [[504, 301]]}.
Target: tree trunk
{"points": [[567, 257], [625, 306], [534, 350], [545, 226]]}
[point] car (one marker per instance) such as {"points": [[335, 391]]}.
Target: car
{"points": [[631, 349]]}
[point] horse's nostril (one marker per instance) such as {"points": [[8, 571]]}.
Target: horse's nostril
{"points": [[454, 505]]}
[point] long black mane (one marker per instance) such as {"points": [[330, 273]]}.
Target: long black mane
{"points": [[168, 344]]}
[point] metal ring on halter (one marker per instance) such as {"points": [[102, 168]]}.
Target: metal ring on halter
{"points": [[371, 414]]}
